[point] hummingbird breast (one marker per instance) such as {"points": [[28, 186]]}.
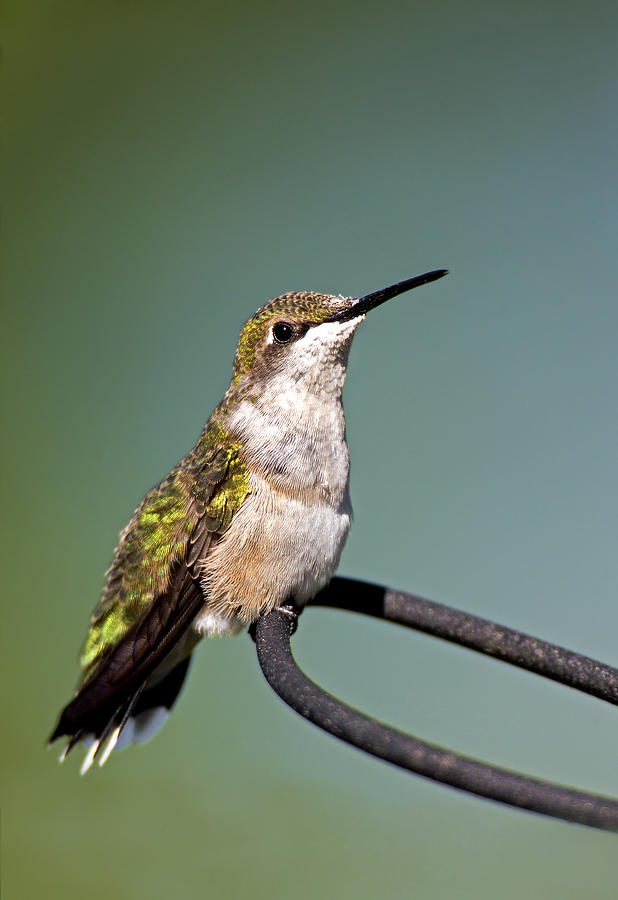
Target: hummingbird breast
{"points": [[286, 540]]}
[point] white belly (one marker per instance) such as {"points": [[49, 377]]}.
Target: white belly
{"points": [[277, 548], [285, 541]]}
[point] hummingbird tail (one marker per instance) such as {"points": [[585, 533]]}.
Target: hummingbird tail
{"points": [[141, 714]]}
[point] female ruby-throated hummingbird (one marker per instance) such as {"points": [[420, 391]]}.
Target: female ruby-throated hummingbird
{"points": [[256, 514]]}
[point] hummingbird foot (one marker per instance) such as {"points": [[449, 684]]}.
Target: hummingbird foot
{"points": [[291, 613], [288, 610]]}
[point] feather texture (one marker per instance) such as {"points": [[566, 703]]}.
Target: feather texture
{"points": [[140, 630]]}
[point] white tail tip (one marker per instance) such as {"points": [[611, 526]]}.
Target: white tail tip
{"points": [[109, 746], [63, 755], [89, 758]]}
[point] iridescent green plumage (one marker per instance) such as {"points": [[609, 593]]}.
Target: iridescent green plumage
{"points": [[207, 486]]}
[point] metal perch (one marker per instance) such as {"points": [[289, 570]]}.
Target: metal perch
{"points": [[272, 635]]}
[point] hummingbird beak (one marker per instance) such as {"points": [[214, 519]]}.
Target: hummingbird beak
{"points": [[362, 305]]}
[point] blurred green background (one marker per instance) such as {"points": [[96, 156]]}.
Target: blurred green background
{"points": [[169, 167]]}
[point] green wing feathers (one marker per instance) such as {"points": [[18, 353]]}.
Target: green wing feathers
{"points": [[150, 545], [199, 497]]}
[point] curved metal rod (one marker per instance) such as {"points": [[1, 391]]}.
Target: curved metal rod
{"points": [[272, 636], [515, 647]]}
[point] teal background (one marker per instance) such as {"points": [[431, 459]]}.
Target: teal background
{"points": [[168, 168]]}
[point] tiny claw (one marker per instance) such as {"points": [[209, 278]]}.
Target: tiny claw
{"points": [[291, 613], [288, 610]]}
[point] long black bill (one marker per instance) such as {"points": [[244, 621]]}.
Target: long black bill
{"points": [[370, 301]]}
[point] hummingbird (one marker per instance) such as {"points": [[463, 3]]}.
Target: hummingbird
{"points": [[253, 517]]}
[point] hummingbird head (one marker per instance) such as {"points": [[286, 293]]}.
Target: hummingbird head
{"points": [[306, 337]]}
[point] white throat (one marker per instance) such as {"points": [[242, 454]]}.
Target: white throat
{"points": [[293, 433]]}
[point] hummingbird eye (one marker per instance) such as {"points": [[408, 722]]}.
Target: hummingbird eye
{"points": [[283, 332]]}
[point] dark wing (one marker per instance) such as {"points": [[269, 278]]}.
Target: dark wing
{"points": [[152, 592]]}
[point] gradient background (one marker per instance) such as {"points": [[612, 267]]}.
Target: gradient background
{"points": [[169, 168]]}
